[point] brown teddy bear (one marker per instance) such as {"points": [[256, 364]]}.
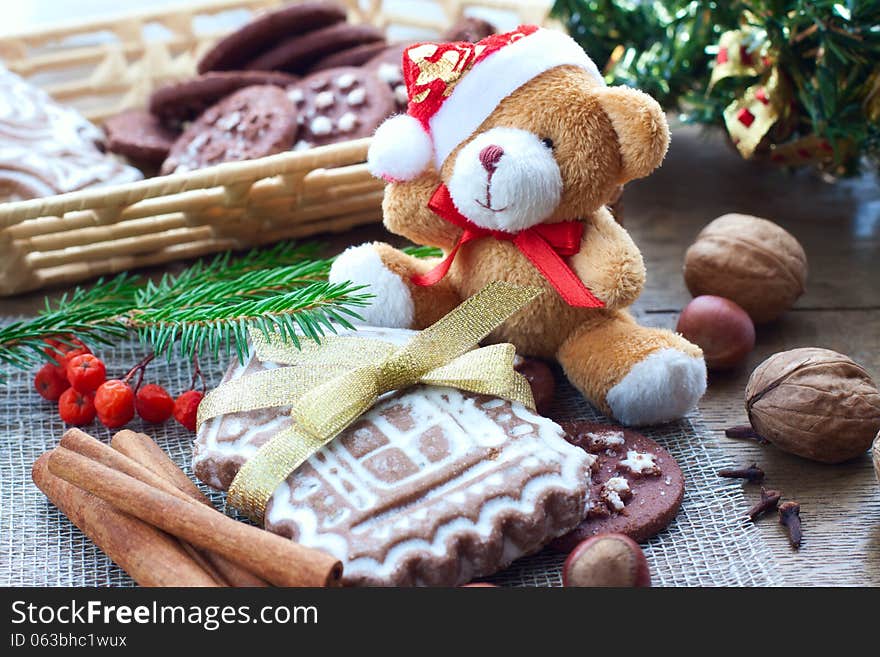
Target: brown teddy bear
{"points": [[508, 153]]}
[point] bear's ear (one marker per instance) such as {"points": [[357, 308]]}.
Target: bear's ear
{"points": [[641, 128]]}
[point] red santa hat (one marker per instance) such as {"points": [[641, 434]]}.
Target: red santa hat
{"points": [[453, 87]]}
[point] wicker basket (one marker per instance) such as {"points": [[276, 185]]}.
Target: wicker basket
{"points": [[106, 66]]}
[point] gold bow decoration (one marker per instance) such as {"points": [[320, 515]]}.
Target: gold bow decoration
{"points": [[332, 383]]}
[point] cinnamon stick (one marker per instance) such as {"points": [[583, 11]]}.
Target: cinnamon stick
{"points": [[140, 447], [277, 560], [80, 442], [150, 556]]}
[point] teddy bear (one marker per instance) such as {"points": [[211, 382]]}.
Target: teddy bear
{"points": [[508, 153]]}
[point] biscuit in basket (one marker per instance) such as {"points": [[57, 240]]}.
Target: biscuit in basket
{"points": [[253, 122]]}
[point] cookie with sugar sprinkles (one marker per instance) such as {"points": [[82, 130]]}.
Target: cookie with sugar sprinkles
{"points": [[251, 123], [337, 105], [637, 487]]}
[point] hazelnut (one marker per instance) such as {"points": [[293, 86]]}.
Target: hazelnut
{"points": [[719, 327], [606, 560], [751, 261], [815, 403]]}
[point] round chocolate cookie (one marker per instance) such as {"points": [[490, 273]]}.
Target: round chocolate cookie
{"points": [[178, 102], [251, 123], [266, 31], [469, 28], [637, 487], [139, 136], [357, 56], [298, 53], [388, 67], [339, 104]]}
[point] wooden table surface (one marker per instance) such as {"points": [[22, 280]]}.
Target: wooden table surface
{"points": [[839, 227]]}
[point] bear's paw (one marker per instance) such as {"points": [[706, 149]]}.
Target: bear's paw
{"points": [[392, 306]]}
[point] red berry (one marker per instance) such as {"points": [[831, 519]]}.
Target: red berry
{"points": [[153, 403], [114, 402], [75, 407], [49, 382], [60, 352], [86, 372], [186, 407]]}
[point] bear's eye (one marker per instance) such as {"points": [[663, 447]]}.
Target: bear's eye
{"points": [[547, 142]]}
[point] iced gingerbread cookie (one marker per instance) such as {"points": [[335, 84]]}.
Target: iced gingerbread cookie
{"points": [[46, 148], [251, 123], [637, 487], [432, 486], [338, 104]]}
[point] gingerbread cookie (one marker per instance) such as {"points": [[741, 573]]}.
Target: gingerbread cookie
{"points": [[139, 136], [266, 31], [541, 380], [251, 123], [178, 102], [357, 56], [298, 53], [46, 148], [338, 104], [432, 486], [387, 66], [637, 487], [469, 28]]}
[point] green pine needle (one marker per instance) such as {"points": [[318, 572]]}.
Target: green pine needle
{"points": [[208, 308]]}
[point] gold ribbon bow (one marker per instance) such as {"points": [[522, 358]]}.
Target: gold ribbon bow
{"points": [[332, 383]]}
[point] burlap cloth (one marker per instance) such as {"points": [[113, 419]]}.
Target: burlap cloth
{"points": [[709, 544]]}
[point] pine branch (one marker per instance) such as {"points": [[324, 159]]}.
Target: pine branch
{"points": [[209, 307]]}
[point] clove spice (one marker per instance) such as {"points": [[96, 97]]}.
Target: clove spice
{"points": [[753, 474], [769, 501], [790, 518], [745, 432]]}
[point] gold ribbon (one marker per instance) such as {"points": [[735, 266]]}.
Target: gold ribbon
{"points": [[750, 117], [332, 383]]}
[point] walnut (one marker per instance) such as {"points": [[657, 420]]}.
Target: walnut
{"points": [[815, 403], [751, 261]]}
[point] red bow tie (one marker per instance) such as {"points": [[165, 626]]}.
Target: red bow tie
{"points": [[543, 245]]}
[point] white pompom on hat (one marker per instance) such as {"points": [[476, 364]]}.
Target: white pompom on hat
{"points": [[453, 87]]}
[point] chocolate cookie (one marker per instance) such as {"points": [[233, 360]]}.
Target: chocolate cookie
{"points": [[637, 486], [541, 380], [139, 136], [469, 28], [388, 67], [431, 486], [251, 123], [266, 31], [298, 53], [178, 102], [357, 56], [339, 104]]}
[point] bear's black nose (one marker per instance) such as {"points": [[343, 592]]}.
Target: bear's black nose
{"points": [[489, 157]]}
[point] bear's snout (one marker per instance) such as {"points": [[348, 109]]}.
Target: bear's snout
{"points": [[506, 179]]}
